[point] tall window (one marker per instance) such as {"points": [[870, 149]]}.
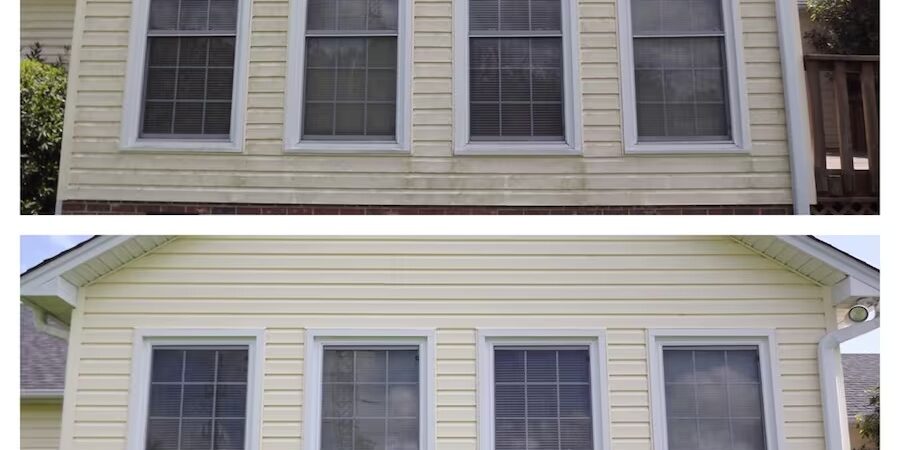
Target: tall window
{"points": [[680, 70], [542, 399], [198, 398], [714, 398], [189, 69], [515, 70], [350, 73], [370, 398]]}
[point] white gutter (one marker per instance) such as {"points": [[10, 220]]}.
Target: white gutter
{"points": [[796, 109], [40, 395], [831, 381]]}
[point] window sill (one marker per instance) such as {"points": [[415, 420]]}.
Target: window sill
{"points": [[518, 148], [182, 146], [346, 148], [675, 148]]}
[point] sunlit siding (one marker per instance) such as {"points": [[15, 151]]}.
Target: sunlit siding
{"points": [[39, 425], [95, 168], [454, 286], [48, 22]]}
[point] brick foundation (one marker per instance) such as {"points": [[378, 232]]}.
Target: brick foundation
{"points": [[143, 208]]}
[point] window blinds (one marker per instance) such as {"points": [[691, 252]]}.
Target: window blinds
{"points": [[713, 399], [515, 70], [542, 399], [680, 70], [189, 69], [198, 399], [370, 399]]}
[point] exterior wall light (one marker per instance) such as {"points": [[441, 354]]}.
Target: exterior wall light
{"points": [[858, 313]]}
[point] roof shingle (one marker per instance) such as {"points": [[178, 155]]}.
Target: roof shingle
{"points": [[861, 373], [42, 357]]}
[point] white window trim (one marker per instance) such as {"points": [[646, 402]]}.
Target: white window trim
{"points": [[737, 91], [293, 106], [142, 346], [571, 92], [317, 339], [594, 338], [130, 139], [763, 339]]}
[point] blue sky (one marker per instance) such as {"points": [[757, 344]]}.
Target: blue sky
{"points": [[35, 249]]}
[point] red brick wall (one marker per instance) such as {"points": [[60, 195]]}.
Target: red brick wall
{"points": [[114, 207]]}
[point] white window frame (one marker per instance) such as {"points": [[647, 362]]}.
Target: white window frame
{"points": [[765, 342], [318, 339], [594, 339], [293, 106], [737, 91], [142, 356], [571, 80], [130, 139]]}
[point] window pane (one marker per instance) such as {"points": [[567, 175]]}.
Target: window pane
{"points": [[180, 69], [370, 399], [708, 408], [680, 88], [542, 399], [667, 17], [350, 87], [189, 406], [515, 15], [356, 15]]}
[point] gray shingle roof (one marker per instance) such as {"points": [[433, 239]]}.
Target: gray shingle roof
{"points": [[42, 363], [861, 373]]}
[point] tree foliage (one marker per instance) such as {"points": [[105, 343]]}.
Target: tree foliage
{"points": [[41, 109], [869, 424], [847, 27]]}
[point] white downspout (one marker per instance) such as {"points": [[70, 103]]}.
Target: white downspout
{"points": [[795, 106], [831, 380]]}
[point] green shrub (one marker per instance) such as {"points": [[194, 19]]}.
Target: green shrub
{"points": [[846, 27], [42, 105], [869, 425]]}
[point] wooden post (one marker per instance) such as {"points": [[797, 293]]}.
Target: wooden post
{"points": [[845, 141], [813, 72], [870, 113]]}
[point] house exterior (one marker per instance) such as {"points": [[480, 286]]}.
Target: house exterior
{"points": [[436, 341], [42, 368], [619, 126], [48, 22], [862, 373]]}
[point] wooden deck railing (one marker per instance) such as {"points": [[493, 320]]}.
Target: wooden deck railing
{"points": [[843, 98]]}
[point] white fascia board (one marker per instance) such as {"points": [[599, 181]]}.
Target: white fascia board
{"points": [[90, 249], [850, 290], [836, 259]]}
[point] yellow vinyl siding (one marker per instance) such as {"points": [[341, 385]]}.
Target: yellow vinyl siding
{"points": [[39, 425], [48, 22], [96, 168], [454, 285]]}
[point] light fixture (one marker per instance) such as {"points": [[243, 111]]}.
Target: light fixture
{"points": [[858, 313]]}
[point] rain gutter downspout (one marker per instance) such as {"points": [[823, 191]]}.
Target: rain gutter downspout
{"points": [[831, 379]]}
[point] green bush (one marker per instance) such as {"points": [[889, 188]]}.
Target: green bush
{"points": [[869, 425], [846, 27], [42, 105]]}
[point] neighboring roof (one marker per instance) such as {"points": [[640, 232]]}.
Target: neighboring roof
{"points": [[53, 284], [42, 358], [861, 373]]}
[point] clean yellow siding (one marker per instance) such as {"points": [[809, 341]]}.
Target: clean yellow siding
{"points": [[95, 168], [453, 285], [48, 22], [39, 425]]}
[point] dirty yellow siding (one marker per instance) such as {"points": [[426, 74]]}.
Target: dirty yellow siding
{"points": [[48, 22], [452, 285], [94, 167], [39, 425]]}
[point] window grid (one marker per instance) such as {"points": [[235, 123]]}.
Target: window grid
{"points": [[530, 35], [181, 402], [179, 33], [697, 417], [663, 34]]}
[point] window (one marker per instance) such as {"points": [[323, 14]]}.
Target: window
{"points": [[369, 391], [542, 392], [195, 389], [185, 78], [351, 90], [198, 398], [715, 391], [682, 86], [518, 82]]}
